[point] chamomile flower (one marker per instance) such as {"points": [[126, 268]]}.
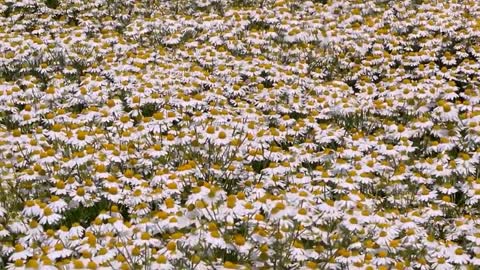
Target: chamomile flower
{"points": [[49, 217], [59, 251], [57, 204], [457, 255], [21, 253]]}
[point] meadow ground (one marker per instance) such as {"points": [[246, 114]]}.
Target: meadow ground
{"points": [[239, 134]]}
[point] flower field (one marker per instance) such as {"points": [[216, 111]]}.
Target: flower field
{"points": [[239, 134]]}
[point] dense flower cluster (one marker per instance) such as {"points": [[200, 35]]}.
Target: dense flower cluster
{"points": [[239, 134]]}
